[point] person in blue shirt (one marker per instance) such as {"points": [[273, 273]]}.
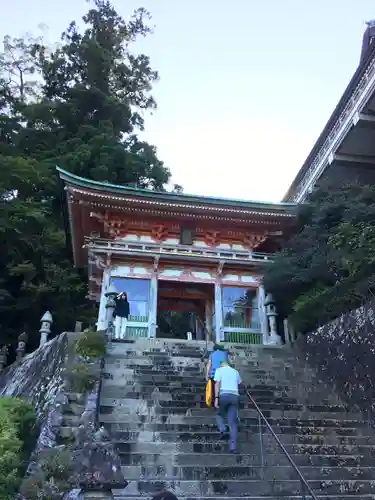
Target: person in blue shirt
{"points": [[227, 381], [218, 355]]}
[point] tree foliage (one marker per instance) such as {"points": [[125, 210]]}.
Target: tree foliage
{"points": [[328, 266], [17, 438], [78, 106]]}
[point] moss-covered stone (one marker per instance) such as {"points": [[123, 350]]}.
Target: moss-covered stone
{"points": [[91, 344]]}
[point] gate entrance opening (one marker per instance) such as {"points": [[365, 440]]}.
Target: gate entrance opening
{"points": [[183, 308]]}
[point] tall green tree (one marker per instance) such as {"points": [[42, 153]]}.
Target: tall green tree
{"points": [[78, 106], [328, 266], [94, 95]]}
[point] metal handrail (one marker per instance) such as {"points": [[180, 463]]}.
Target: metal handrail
{"points": [[283, 449]]}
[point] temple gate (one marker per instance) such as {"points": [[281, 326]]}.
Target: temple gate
{"points": [[191, 266]]}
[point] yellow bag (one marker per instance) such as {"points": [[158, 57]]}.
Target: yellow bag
{"points": [[209, 393]]}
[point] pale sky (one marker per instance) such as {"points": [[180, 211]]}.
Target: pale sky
{"points": [[246, 86]]}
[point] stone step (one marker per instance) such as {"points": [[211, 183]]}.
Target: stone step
{"points": [[253, 387], [169, 369], [197, 363], [110, 382], [245, 404], [195, 377], [245, 487], [197, 369], [184, 365], [198, 378], [252, 429], [147, 357], [160, 362], [158, 345], [243, 352], [180, 389], [122, 376], [227, 459], [243, 436], [167, 361], [159, 376], [175, 362], [209, 418], [231, 472], [276, 411], [127, 375], [243, 447], [112, 395], [244, 355], [198, 397], [118, 352], [125, 496], [198, 400]]}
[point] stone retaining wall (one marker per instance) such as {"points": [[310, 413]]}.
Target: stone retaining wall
{"points": [[343, 352], [38, 376]]}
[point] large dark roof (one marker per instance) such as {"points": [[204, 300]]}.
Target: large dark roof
{"points": [[365, 60]]}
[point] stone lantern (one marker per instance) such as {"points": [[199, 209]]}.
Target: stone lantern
{"points": [[110, 295], [271, 312], [21, 347], [45, 328]]}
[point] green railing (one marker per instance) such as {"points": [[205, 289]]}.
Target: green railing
{"points": [[243, 337], [138, 319], [136, 332], [253, 324]]}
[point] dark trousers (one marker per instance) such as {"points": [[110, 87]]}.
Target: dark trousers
{"points": [[228, 408]]}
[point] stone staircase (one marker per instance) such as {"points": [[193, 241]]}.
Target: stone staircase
{"points": [[152, 404]]}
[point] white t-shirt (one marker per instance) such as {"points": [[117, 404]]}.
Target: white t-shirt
{"points": [[229, 379]]}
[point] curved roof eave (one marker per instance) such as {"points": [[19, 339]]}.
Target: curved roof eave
{"points": [[76, 181]]}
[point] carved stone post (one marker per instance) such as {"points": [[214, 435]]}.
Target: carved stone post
{"points": [[287, 337], [152, 316], [3, 357], [270, 305], [45, 329], [263, 320], [110, 295], [218, 327], [21, 348]]}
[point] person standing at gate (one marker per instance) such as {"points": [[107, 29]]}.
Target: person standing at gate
{"points": [[227, 381], [121, 315]]}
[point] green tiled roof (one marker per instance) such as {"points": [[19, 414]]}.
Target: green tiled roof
{"points": [[116, 189]]}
